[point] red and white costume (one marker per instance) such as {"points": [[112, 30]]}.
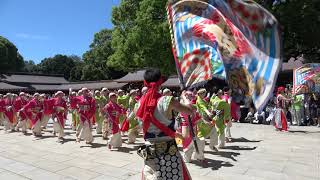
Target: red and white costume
{"points": [[48, 110], [34, 112], [9, 112], [280, 117], [87, 109], [59, 115], [113, 112], [19, 103]]}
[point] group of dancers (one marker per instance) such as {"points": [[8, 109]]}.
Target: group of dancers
{"points": [[113, 114]]}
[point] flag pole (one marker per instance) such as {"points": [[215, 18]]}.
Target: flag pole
{"points": [[183, 87]]}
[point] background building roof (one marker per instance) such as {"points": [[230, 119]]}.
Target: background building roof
{"points": [[93, 85], [33, 78], [6, 86], [172, 82], [136, 76]]}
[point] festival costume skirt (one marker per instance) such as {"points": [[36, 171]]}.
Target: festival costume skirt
{"points": [[280, 120], [166, 164]]}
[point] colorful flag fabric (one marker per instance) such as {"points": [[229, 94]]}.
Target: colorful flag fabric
{"points": [[306, 79], [233, 39]]}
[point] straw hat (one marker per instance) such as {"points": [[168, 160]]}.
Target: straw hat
{"points": [[112, 94], [201, 91]]}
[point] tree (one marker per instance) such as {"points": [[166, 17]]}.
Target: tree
{"points": [[10, 59], [95, 60], [59, 64], [30, 66], [141, 36], [300, 22]]}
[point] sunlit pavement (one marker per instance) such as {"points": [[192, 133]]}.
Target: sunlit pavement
{"points": [[257, 152]]}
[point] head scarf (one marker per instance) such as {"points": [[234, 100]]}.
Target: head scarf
{"points": [[280, 90], [148, 103]]}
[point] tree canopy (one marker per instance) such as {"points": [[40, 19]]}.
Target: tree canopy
{"points": [[59, 64], [10, 59], [300, 22], [141, 36], [95, 65]]}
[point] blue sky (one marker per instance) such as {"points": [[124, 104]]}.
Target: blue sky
{"points": [[43, 28]]}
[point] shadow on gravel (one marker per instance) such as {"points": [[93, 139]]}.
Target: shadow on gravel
{"points": [[127, 149], [304, 132], [94, 145], [67, 140], [238, 148], [225, 154], [213, 164], [242, 139], [69, 133], [45, 137]]}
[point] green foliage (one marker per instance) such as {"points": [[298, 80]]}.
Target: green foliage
{"points": [[300, 21], [141, 36], [10, 59], [30, 66], [95, 60], [59, 64]]}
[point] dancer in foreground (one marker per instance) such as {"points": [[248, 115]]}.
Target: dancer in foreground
{"points": [[161, 156]]}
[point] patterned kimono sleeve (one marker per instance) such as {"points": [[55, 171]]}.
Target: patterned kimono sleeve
{"points": [[93, 107]]}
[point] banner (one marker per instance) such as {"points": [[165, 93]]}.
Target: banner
{"points": [[306, 79], [232, 39]]}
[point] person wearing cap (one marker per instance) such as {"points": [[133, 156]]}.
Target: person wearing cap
{"points": [[34, 112], [281, 123], [19, 103], [221, 111], [112, 112], [167, 92], [187, 142], [104, 96], [9, 112], [122, 100], [134, 129], [48, 109], [60, 114], [205, 125], [99, 106], [227, 98], [73, 109], [87, 109]]}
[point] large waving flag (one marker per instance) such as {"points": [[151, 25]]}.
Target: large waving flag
{"points": [[233, 39], [306, 79]]}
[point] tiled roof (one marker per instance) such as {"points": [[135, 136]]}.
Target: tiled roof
{"points": [[5, 86], [136, 76], [93, 85], [33, 78], [172, 81]]}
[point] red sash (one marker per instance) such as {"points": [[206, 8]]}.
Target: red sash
{"points": [[148, 103]]}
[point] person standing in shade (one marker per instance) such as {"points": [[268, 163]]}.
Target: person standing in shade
{"points": [[298, 109]]}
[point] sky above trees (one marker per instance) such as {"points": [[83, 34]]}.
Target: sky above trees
{"points": [[42, 29]]}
